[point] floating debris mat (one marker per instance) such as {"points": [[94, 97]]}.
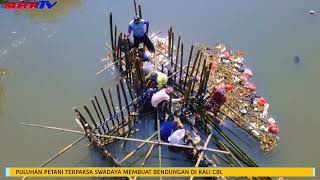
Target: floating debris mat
{"points": [[229, 93]]}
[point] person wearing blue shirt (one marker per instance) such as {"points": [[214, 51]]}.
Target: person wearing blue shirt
{"points": [[143, 55], [140, 35]]}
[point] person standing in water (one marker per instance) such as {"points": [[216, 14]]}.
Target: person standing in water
{"points": [[140, 34]]}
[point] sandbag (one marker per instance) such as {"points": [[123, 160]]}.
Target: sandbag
{"points": [[177, 137]]}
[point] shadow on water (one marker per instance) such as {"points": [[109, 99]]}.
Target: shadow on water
{"points": [[62, 8]]}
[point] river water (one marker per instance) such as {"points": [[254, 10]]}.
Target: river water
{"points": [[57, 53]]}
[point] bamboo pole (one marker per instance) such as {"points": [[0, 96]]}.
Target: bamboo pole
{"points": [[169, 41], [147, 155], [108, 106], [112, 104], [91, 118], [172, 47], [131, 94], [130, 154], [106, 68], [115, 39], [197, 71], [177, 59], [146, 158], [59, 153], [170, 104], [159, 138], [135, 7], [108, 46], [128, 110], [207, 79], [111, 32], [231, 154], [202, 154], [120, 103], [195, 63], [133, 102], [53, 128], [125, 96], [101, 112], [188, 66], [181, 64], [98, 115], [202, 79], [128, 63], [132, 139], [140, 13], [82, 119], [119, 53], [234, 145]]}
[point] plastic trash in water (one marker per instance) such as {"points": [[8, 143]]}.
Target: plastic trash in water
{"points": [[312, 12], [296, 59], [271, 120]]}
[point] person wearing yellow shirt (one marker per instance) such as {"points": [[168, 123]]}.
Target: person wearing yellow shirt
{"points": [[158, 79]]}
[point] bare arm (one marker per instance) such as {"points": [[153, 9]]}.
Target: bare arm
{"points": [[129, 31], [147, 26]]}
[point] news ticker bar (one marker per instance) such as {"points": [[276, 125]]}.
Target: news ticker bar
{"points": [[164, 172]]}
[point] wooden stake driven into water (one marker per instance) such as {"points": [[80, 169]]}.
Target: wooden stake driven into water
{"points": [[140, 12], [194, 65], [177, 59], [98, 115], [113, 108], [181, 64], [197, 71], [124, 96], [169, 41], [82, 119], [172, 47], [111, 32], [128, 62], [188, 66], [120, 103], [135, 7], [119, 53], [101, 112], [115, 39], [108, 106], [91, 118]]}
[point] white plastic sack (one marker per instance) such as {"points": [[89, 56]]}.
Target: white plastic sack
{"points": [[177, 137], [271, 120], [147, 68]]}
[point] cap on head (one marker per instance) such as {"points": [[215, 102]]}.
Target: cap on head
{"points": [[140, 50], [169, 90], [153, 76], [136, 19], [220, 91]]}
